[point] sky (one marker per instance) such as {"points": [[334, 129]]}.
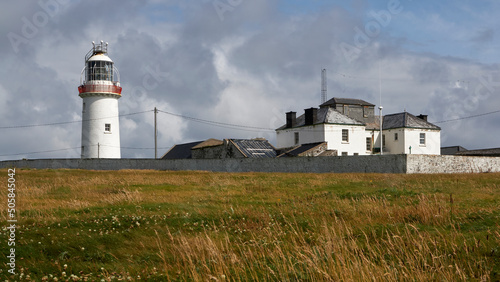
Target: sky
{"points": [[232, 68]]}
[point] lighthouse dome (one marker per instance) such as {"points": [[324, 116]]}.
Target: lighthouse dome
{"points": [[100, 57]]}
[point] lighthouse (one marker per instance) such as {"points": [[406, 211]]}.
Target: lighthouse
{"points": [[100, 90]]}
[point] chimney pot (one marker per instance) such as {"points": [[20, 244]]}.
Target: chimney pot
{"points": [[310, 116], [421, 116], [291, 119]]}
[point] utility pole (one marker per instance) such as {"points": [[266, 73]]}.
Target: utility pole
{"points": [[156, 136], [380, 108], [381, 133]]}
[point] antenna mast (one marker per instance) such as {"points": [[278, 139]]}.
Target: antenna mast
{"points": [[323, 86], [380, 108]]}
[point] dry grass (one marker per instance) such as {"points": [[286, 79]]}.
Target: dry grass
{"points": [[203, 226]]}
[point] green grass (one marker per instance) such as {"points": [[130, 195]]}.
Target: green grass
{"points": [[200, 226]]}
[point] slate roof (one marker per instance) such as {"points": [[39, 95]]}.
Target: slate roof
{"points": [[452, 150], [254, 148], [406, 120], [300, 149], [180, 151], [493, 152], [345, 101], [326, 115], [208, 143]]}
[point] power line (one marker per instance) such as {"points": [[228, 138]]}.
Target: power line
{"points": [[468, 117], [220, 124], [75, 148], [67, 122], [40, 152], [132, 148]]}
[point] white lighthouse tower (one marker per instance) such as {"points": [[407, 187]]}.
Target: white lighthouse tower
{"points": [[100, 90]]}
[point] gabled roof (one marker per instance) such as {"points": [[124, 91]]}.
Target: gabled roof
{"points": [[406, 120], [326, 115], [254, 148], [297, 151], [493, 152], [452, 150], [180, 151], [208, 143], [345, 101]]}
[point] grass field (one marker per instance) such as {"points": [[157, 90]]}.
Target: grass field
{"points": [[200, 226]]}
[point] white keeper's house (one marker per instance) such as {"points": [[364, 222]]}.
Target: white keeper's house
{"points": [[350, 127]]}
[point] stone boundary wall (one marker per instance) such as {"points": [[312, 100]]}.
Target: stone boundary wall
{"points": [[340, 164], [451, 164]]}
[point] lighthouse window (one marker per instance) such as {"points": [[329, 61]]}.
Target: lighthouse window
{"points": [[107, 127], [99, 70]]}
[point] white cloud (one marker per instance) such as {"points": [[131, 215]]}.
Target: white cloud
{"points": [[249, 69]]}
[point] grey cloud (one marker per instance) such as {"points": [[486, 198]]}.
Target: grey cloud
{"points": [[281, 57], [484, 36]]}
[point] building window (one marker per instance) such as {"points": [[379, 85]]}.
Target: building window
{"points": [[365, 111], [84, 107], [395, 136], [383, 140], [345, 135], [344, 153], [107, 127], [368, 143], [296, 135], [356, 154], [346, 110], [422, 138]]}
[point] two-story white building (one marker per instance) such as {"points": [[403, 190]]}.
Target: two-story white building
{"points": [[404, 133], [350, 127]]}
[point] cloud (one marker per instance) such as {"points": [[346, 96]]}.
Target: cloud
{"points": [[248, 67], [483, 36]]}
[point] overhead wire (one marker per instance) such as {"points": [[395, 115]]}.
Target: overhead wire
{"points": [[39, 152], [220, 124], [204, 121], [68, 122], [468, 117]]}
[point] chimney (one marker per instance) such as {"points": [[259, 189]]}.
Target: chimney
{"points": [[310, 116], [291, 118], [424, 117]]}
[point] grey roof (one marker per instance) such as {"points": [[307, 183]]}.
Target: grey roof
{"points": [[346, 101], [493, 152], [208, 143], [452, 150], [406, 120], [326, 115], [180, 151], [255, 148], [300, 149]]}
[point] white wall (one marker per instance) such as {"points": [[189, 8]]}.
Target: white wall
{"points": [[307, 134], [332, 133], [411, 137], [393, 146], [432, 141], [99, 110], [356, 143]]}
